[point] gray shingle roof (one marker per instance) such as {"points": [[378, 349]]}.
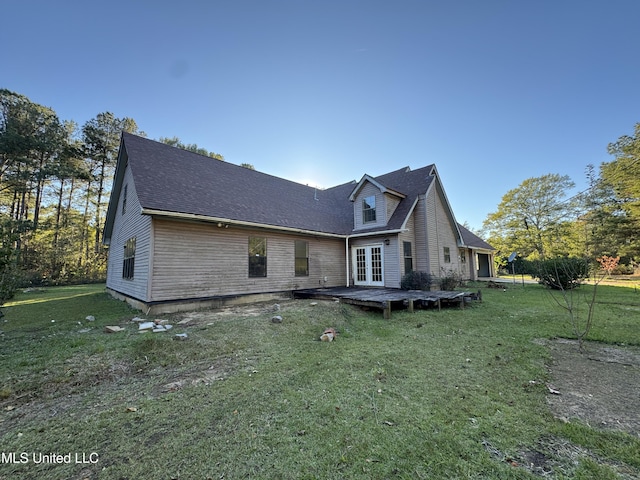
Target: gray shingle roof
{"points": [[470, 239], [170, 179]]}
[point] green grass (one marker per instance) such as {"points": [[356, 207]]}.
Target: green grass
{"points": [[426, 395]]}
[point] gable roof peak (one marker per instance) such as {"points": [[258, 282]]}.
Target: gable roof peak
{"points": [[366, 178]]}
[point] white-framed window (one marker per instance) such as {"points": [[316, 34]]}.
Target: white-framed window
{"points": [[302, 258], [129, 259], [257, 257], [369, 209], [408, 257]]}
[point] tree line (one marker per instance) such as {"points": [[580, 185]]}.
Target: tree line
{"points": [[539, 221], [55, 180]]}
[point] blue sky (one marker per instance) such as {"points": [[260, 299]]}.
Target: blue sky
{"points": [[322, 92]]}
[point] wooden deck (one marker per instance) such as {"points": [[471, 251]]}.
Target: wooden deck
{"points": [[386, 298]]}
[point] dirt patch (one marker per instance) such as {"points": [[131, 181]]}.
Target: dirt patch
{"points": [[600, 387], [218, 371], [200, 317]]}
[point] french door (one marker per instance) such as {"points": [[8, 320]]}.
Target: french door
{"points": [[368, 265]]}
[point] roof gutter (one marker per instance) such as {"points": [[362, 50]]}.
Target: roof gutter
{"points": [[229, 221], [377, 233]]}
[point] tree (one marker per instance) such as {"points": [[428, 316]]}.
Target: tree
{"points": [[623, 173], [616, 218], [175, 142], [9, 270], [32, 139], [31, 136], [604, 225], [579, 306], [532, 218], [101, 137]]}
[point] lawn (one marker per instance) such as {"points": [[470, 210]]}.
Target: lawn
{"points": [[431, 394]]}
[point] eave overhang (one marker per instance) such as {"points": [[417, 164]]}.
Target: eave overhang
{"points": [[221, 221]]}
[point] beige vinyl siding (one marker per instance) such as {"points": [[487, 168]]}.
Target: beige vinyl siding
{"points": [[421, 261], [131, 224], [445, 235], [465, 268], [391, 203], [433, 241], [392, 263], [408, 236], [199, 260]]}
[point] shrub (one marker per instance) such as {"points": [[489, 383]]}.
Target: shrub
{"points": [[10, 280], [416, 281], [450, 279], [562, 273], [623, 270]]}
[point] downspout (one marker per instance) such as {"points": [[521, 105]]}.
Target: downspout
{"points": [[346, 249]]}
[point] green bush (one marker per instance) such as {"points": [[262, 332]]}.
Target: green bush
{"points": [[623, 270], [10, 280], [416, 281], [562, 273], [450, 280]]}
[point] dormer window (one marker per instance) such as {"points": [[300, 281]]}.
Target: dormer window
{"points": [[369, 209]]}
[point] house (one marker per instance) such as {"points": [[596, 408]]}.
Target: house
{"points": [[185, 230]]}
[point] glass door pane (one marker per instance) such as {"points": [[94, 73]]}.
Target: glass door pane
{"points": [[376, 264], [361, 265]]}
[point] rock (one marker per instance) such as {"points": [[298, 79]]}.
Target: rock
{"points": [[168, 327], [276, 319], [328, 335], [146, 326], [276, 307], [181, 336], [138, 320], [113, 329], [90, 318], [313, 304], [553, 390]]}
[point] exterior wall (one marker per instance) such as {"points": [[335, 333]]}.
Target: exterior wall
{"points": [[440, 234], [369, 190], [421, 262], [408, 236], [391, 204], [465, 267], [390, 258], [392, 263], [198, 260], [433, 243], [131, 224]]}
